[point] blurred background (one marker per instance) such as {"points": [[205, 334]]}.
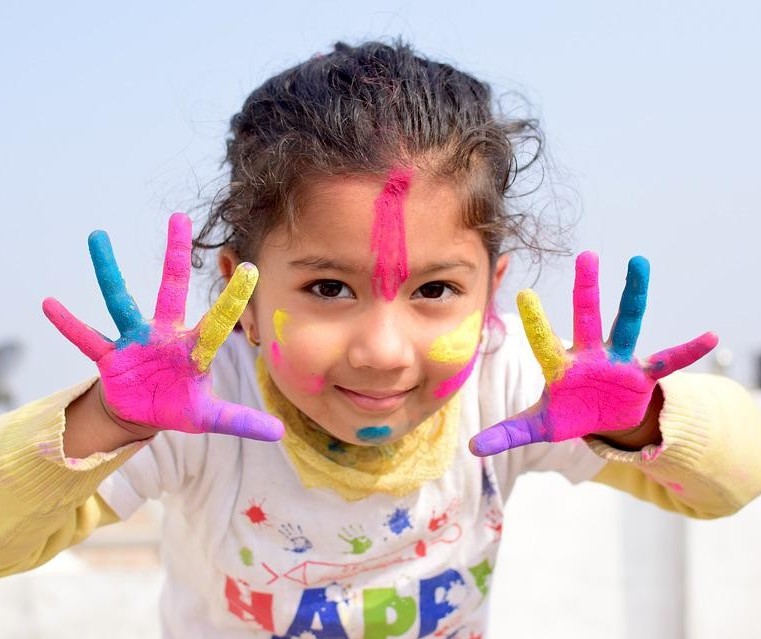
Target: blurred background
{"points": [[113, 116]]}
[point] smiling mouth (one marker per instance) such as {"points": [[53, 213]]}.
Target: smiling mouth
{"points": [[375, 401]]}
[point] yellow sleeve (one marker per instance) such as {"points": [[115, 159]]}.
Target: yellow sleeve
{"points": [[709, 463], [48, 501]]}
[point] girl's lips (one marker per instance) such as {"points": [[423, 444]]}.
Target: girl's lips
{"points": [[375, 401]]}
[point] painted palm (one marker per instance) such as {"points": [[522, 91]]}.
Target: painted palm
{"points": [[595, 386], [157, 372]]}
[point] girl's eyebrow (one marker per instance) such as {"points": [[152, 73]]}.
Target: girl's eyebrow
{"points": [[321, 264], [325, 264], [446, 265]]}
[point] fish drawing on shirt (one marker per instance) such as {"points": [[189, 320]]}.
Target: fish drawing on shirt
{"points": [[310, 573]]}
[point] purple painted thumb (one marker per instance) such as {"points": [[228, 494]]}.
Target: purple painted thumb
{"points": [[511, 433], [241, 421]]}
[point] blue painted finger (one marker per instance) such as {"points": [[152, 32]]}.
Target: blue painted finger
{"points": [[119, 302], [625, 332]]}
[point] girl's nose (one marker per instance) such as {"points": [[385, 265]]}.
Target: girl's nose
{"points": [[379, 340]]}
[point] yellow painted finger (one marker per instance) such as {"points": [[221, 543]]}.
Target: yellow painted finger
{"points": [[221, 318], [458, 345], [548, 349]]}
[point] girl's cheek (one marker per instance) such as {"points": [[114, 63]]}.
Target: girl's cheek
{"points": [[299, 352]]}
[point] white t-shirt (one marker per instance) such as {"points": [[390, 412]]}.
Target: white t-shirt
{"points": [[250, 552]]}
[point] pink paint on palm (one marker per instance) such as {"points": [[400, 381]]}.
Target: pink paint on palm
{"points": [[157, 383], [452, 384], [596, 396], [387, 240]]}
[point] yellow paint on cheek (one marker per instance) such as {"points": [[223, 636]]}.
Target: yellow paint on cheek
{"points": [[458, 345], [279, 318]]}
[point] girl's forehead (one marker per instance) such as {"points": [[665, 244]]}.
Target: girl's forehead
{"points": [[342, 219], [353, 203]]}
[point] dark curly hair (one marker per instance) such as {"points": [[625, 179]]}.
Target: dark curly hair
{"points": [[366, 110]]}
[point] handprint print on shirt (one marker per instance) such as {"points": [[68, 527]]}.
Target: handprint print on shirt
{"points": [[298, 541], [595, 386], [360, 543], [156, 374]]}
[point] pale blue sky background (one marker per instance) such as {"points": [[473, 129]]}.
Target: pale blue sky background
{"points": [[113, 115]]}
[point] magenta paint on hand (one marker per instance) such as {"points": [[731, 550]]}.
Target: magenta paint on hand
{"points": [[673, 359], [596, 392], [388, 242], [149, 376], [587, 324], [452, 384]]}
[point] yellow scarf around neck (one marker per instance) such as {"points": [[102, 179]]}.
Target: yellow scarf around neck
{"points": [[355, 472]]}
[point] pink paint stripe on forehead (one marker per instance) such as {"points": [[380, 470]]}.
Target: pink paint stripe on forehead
{"points": [[387, 240]]}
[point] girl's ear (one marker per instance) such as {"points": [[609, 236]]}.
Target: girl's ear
{"points": [[500, 269], [228, 260]]}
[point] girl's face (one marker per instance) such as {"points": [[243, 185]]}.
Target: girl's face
{"points": [[370, 312]]}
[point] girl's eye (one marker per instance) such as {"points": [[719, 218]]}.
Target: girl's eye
{"points": [[330, 289], [436, 291]]}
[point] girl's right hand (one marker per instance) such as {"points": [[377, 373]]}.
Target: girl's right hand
{"points": [[157, 373]]}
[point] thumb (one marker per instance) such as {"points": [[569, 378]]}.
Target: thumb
{"points": [[241, 421], [524, 428]]}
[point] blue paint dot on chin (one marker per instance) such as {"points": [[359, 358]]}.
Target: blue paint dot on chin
{"points": [[373, 433]]}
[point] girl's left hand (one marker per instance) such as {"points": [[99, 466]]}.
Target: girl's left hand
{"points": [[595, 386]]}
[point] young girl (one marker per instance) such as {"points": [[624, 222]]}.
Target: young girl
{"points": [[369, 187]]}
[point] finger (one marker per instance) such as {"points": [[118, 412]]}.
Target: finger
{"points": [[678, 357], [548, 349], [86, 339], [228, 418], [587, 326], [625, 332], [173, 292], [220, 320], [528, 428], [119, 302]]}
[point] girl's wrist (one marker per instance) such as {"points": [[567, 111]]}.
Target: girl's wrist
{"points": [[91, 427], [138, 431], [646, 433]]}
